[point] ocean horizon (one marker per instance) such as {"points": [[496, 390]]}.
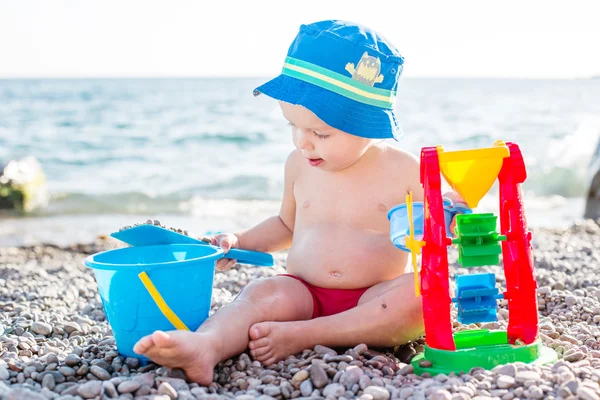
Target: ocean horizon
{"points": [[204, 154]]}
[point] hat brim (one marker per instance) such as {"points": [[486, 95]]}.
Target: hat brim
{"points": [[340, 112]]}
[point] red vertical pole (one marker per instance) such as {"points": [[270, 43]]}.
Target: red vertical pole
{"points": [[434, 269], [516, 251]]}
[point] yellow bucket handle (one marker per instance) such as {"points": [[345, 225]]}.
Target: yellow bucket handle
{"points": [[160, 302]]}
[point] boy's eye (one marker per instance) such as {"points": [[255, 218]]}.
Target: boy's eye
{"points": [[320, 136]]}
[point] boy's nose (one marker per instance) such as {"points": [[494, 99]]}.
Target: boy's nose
{"points": [[303, 139]]}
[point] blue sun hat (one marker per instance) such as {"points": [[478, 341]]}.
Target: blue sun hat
{"points": [[346, 74]]}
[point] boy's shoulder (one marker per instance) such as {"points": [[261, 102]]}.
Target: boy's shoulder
{"points": [[400, 166], [294, 159], [396, 155], [403, 168], [294, 156], [294, 162]]}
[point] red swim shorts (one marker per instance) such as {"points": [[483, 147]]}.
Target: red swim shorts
{"points": [[328, 301]]}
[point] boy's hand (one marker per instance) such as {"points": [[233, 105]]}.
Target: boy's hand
{"points": [[456, 199], [452, 226], [225, 241]]}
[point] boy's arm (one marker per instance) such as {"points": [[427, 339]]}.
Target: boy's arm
{"points": [[413, 172], [275, 233]]}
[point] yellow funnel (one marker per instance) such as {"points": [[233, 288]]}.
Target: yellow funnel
{"points": [[471, 173]]}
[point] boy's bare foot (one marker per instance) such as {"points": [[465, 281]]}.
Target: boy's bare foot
{"points": [[191, 351], [273, 341]]}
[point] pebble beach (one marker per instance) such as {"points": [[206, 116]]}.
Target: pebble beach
{"points": [[55, 342]]}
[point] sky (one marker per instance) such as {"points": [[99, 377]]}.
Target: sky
{"points": [[185, 38]]}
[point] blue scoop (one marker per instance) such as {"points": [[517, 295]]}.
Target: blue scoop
{"points": [[150, 235]]}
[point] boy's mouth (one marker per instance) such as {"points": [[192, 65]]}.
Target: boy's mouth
{"points": [[315, 161]]}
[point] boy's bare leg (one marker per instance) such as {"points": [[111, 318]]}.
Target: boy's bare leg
{"points": [[388, 314], [225, 334]]}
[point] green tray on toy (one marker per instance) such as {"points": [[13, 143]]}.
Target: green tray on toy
{"points": [[481, 348]]}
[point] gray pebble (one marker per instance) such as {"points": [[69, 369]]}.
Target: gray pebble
{"points": [[83, 370], [570, 300], [299, 377], [70, 327], [325, 350], [364, 381], [166, 389], [100, 373], [535, 392], [48, 382], [51, 359], [41, 328], [306, 388], [523, 376], [177, 383], [361, 348], [66, 371], [128, 386], [58, 377], [334, 390], [271, 390], [72, 360], [505, 381], [377, 392], [576, 356], [90, 389], [318, 376], [507, 369], [132, 362], [407, 369], [109, 389]]}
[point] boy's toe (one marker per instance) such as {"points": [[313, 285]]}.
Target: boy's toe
{"points": [[262, 342], [260, 352], [143, 345], [259, 330], [163, 340], [262, 358], [269, 361]]}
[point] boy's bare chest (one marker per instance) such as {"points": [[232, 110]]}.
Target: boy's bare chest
{"points": [[361, 199]]}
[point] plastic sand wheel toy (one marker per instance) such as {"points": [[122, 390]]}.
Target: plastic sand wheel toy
{"points": [[472, 173]]}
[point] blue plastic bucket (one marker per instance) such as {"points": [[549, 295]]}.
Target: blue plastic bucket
{"points": [[399, 227], [181, 273]]}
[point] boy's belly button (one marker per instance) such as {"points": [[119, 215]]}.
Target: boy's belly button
{"points": [[335, 274]]}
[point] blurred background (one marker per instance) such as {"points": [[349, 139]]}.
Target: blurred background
{"points": [[112, 112]]}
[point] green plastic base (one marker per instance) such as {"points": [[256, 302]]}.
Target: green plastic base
{"points": [[480, 348]]}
